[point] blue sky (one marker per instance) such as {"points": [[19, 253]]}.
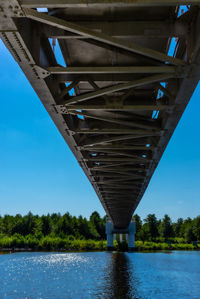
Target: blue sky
{"points": [[38, 172]]}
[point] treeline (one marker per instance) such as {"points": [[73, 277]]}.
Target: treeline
{"points": [[163, 230], [66, 232], [54, 225]]}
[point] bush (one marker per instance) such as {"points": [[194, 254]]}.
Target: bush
{"points": [[6, 242], [31, 242], [18, 241], [69, 244], [164, 246]]}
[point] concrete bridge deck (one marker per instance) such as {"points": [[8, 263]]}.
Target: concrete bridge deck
{"points": [[130, 70]]}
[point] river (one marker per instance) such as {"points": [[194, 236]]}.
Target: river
{"points": [[106, 275]]}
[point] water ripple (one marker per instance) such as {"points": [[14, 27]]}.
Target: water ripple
{"points": [[100, 275]]}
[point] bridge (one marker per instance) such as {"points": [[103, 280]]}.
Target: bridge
{"points": [[130, 68]]}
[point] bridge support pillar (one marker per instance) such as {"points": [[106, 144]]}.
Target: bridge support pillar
{"points": [[121, 238], [129, 231], [109, 233], [131, 236]]}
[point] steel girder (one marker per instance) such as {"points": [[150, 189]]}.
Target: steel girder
{"points": [[119, 96]]}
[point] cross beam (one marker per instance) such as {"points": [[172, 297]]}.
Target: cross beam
{"points": [[144, 125], [158, 29], [97, 140], [107, 3], [117, 131], [116, 147], [74, 28], [113, 70], [118, 107], [118, 87]]}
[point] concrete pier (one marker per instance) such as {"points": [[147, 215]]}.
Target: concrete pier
{"points": [[129, 231], [131, 236], [109, 233]]}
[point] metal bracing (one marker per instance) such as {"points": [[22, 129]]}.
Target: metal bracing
{"points": [[111, 159], [101, 140], [153, 29], [115, 168], [74, 28], [129, 93], [113, 171], [140, 124], [166, 92], [129, 180], [118, 87], [114, 153], [116, 147], [118, 107], [113, 69], [116, 131], [67, 89], [127, 187], [116, 175], [107, 3], [110, 193]]}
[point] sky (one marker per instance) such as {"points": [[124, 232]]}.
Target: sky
{"points": [[38, 172]]}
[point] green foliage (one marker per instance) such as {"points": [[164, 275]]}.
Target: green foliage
{"points": [[196, 228], [66, 232], [177, 227], [166, 228], [146, 246], [98, 223], [54, 225], [144, 233], [138, 222], [164, 231], [189, 236], [152, 226]]}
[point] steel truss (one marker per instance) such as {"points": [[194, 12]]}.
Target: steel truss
{"points": [[120, 95]]}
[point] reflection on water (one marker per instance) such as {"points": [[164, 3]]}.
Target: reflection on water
{"points": [[118, 283], [103, 275]]}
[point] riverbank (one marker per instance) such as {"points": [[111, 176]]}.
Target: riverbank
{"points": [[57, 244]]}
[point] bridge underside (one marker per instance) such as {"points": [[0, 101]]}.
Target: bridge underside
{"points": [[130, 70]]}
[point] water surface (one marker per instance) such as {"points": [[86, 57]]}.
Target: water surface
{"points": [[100, 275]]}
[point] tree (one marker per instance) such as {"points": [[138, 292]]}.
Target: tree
{"points": [[46, 224], [177, 227], [196, 228], [189, 236], [98, 223], [166, 229], [86, 229], [64, 225], [186, 223], [18, 225], [52, 226], [1, 224], [144, 234], [8, 222], [152, 226], [138, 223]]}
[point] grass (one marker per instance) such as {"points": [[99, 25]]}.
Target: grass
{"points": [[143, 246], [18, 242]]}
